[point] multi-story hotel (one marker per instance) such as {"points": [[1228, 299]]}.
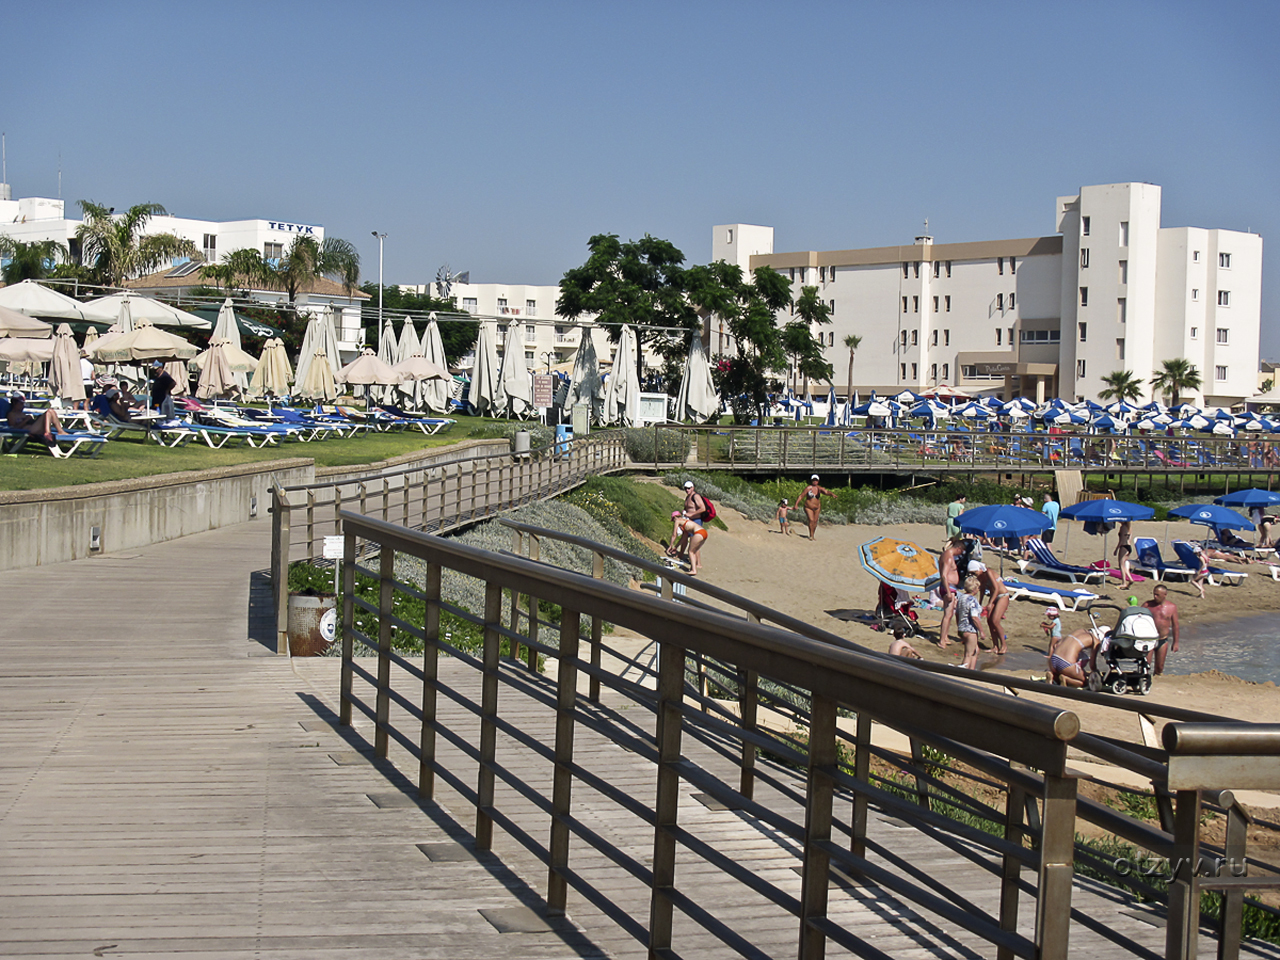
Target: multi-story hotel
{"points": [[1041, 316]]}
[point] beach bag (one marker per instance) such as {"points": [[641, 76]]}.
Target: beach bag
{"points": [[711, 508]]}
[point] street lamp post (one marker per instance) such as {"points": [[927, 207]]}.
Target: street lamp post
{"points": [[547, 355], [381, 237]]}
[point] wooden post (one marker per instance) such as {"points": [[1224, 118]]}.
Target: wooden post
{"points": [[817, 827], [861, 771], [430, 672], [386, 606], [280, 534], [1229, 923], [1183, 924], [922, 786], [593, 690], [488, 713], [348, 627], [532, 603], [562, 778], [517, 547], [669, 720], [1057, 851], [1011, 867]]}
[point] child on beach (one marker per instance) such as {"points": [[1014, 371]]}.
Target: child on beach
{"points": [[969, 621], [1052, 626], [781, 517], [901, 648]]}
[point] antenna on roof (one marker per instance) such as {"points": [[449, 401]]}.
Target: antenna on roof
{"points": [[59, 173]]}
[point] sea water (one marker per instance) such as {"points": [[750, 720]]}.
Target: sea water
{"points": [[1248, 648]]}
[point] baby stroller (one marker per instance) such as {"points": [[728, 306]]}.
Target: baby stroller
{"points": [[894, 610], [1121, 663]]}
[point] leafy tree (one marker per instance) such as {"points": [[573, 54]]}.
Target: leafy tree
{"points": [[458, 336], [1176, 376], [114, 249], [1121, 385], [29, 261], [306, 261], [798, 339], [852, 342]]}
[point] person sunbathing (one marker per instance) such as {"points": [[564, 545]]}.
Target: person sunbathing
{"points": [[46, 427]]}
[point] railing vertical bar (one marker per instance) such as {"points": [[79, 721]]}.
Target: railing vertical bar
{"points": [[1057, 852], [348, 627], [861, 770], [562, 778], [1183, 924], [517, 547], [922, 784], [671, 660], [1011, 867], [280, 545], [532, 603], [1234, 847], [593, 689], [311, 524], [819, 792], [386, 606], [430, 673], [488, 714]]}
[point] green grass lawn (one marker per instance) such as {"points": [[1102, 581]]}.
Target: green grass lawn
{"points": [[127, 458]]}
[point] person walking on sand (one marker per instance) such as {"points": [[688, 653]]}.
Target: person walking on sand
{"points": [[1050, 509], [812, 502], [1202, 571], [1124, 548], [954, 509], [997, 604], [1165, 614], [949, 585], [969, 621], [781, 517]]}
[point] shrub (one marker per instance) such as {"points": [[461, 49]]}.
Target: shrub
{"points": [[672, 445]]}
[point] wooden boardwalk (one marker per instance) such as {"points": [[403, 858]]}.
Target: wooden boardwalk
{"points": [[164, 793]]}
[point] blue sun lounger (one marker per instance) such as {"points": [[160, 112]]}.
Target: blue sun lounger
{"points": [[65, 445], [1147, 559], [1059, 596], [1043, 561], [1188, 556]]}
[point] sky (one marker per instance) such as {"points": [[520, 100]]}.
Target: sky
{"points": [[498, 137]]}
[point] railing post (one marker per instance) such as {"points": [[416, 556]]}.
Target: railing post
{"points": [[1057, 851], [517, 547], [311, 524], [861, 771], [1183, 924], [748, 701], [488, 713], [430, 672], [668, 731], [562, 778], [922, 785], [1010, 867], [386, 606], [386, 499], [593, 690], [280, 534], [532, 603], [348, 627], [1235, 848], [819, 791]]}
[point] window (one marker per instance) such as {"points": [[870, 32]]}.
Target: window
{"points": [[1084, 226], [1119, 348], [1195, 256], [1084, 296], [1195, 333], [1224, 298], [1195, 293], [1224, 261], [1219, 373], [1223, 335], [1013, 265], [946, 338], [937, 269], [933, 372], [831, 274], [904, 304], [1124, 271], [210, 247], [946, 302], [530, 331], [933, 339], [914, 372], [1000, 266], [1041, 336], [915, 338], [531, 308], [902, 338], [917, 265], [1000, 302], [1122, 309], [502, 304], [791, 274], [1012, 301], [528, 356], [469, 304], [902, 373], [1124, 233], [948, 269], [915, 304], [1084, 332], [272, 251], [999, 337], [946, 371], [1011, 336], [1084, 258], [822, 274], [968, 371], [833, 307], [831, 339], [906, 270], [935, 304], [1080, 368]]}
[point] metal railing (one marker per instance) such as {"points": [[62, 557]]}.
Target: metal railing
{"points": [[1190, 738], [434, 497], [786, 447]]}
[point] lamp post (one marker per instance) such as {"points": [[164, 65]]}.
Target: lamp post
{"points": [[547, 355], [381, 237]]}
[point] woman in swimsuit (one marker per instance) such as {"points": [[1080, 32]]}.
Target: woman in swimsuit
{"points": [[697, 537], [1124, 547], [811, 499], [997, 606], [45, 427]]}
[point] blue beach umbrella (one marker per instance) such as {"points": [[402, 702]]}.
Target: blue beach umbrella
{"points": [[1211, 515], [831, 408], [1248, 498], [1107, 511], [1002, 520]]}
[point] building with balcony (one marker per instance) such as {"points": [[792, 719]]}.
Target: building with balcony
{"points": [[1041, 316]]}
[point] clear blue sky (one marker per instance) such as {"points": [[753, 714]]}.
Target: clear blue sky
{"points": [[499, 136]]}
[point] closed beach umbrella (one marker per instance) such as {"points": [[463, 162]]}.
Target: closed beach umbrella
{"points": [[435, 393], [318, 384], [216, 378], [585, 383], [514, 381], [238, 360], [387, 353], [181, 374], [15, 324], [408, 346], [227, 330], [143, 342], [272, 375], [899, 563], [483, 392], [144, 308], [319, 337], [698, 399], [64, 374], [622, 393]]}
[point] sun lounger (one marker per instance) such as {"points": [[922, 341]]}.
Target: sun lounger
{"points": [[1043, 561], [1188, 556], [219, 437], [1069, 601], [427, 425], [65, 445], [1147, 559]]}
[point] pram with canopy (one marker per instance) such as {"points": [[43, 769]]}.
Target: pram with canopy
{"points": [[1121, 664]]}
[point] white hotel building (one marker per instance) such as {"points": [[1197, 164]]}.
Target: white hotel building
{"points": [[1040, 316]]}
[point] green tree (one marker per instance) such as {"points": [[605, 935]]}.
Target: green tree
{"points": [[852, 342], [306, 261], [1121, 385], [115, 248], [29, 261], [1175, 377], [457, 335]]}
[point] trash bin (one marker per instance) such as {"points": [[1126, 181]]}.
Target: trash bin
{"points": [[521, 444], [313, 623], [564, 433]]}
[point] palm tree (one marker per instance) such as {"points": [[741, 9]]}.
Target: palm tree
{"points": [[853, 342], [303, 263], [1121, 385], [116, 249], [1175, 376], [29, 261]]}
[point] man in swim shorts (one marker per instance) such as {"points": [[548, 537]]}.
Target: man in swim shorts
{"points": [[1165, 614], [948, 585]]}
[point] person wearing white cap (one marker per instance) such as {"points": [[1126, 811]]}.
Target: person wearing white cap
{"points": [[695, 508], [811, 500]]}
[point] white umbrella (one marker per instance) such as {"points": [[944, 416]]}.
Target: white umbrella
{"points": [[36, 300], [320, 337], [216, 377], [241, 362], [622, 394], [181, 374], [272, 375], [408, 346], [227, 330], [435, 393], [367, 369], [318, 384], [417, 368], [144, 308], [697, 399], [585, 384], [143, 342], [64, 374], [514, 381], [16, 324], [484, 375], [25, 350], [387, 353]]}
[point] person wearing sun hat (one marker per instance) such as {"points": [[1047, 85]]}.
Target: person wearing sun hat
{"points": [[811, 500], [1052, 625]]}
